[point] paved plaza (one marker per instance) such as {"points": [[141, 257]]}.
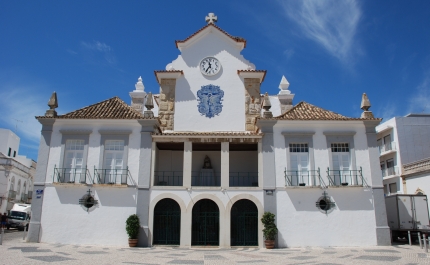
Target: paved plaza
{"points": [[15, 251]]}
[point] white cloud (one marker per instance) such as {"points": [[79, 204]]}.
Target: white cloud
{"points": [[330, 23], [22, 104], [419, 102], [96, 45]]}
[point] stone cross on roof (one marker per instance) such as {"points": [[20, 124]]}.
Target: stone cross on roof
{"points": [[211, 18]]}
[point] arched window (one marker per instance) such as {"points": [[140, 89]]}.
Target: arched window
{"points": [[25, 187], [19, 187], [12, 184]]}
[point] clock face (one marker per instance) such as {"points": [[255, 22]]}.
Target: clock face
{"points": [[210, 66]]}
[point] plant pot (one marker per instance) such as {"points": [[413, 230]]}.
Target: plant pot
{"points": [[269, 244], [132, 242], [345, 184], [302, 184]]}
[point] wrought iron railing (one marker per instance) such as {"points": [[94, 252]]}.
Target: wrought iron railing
{"points": [[205, 179], [12, 195], [113, 176], [71, 175], [168, 178], [387, 147], [346, 177], [303, 178], [390, 171], [243, 179]]}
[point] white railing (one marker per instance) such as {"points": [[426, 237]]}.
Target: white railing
{"points": [[391, 171], [390, 146]]}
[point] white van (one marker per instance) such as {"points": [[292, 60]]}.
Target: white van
{"points": [[19, 216]]}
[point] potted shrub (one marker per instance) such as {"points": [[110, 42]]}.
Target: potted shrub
{"points": [[132, 226], [270, 230]]}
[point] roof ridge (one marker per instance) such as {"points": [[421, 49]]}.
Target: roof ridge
{"points": [[90, 105]]}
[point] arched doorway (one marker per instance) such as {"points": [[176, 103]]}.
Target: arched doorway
{"points": [[167, 223], [244, 224], [205, 227]]}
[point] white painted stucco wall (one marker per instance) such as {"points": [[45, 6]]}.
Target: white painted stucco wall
{"points": [[187, 116], [8, 139]]}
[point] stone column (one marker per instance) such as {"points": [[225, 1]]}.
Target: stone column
{"points": [[252, 102], [188, 158], [39, 180], [225, 165], [167, 103]]}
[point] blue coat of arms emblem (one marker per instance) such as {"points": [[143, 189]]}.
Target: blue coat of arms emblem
{"points": [[209, 98]]}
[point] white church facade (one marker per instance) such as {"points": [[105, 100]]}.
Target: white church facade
{"points": [[201, 162]]}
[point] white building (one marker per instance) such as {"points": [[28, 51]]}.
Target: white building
{"points": [[206, 168], [403, 142], [16, 172]]}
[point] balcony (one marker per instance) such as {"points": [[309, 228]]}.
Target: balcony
{"points": [[346, 177], [113, 176], [390, 172], [71, 175], [11, 196], [206, 178], [168, 178], [387, 148], [243, 179], [309, 178]]}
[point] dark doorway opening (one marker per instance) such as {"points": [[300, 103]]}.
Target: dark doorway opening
{"points": [[244, 224], [205, 227], [167, 223]]}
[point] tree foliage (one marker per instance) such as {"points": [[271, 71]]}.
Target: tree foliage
{"points": [[132, 226], [270, 230]]}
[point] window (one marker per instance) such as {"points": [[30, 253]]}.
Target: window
{"points": [[19, 187], [74, 159], [384, 172], [113, 160], [299, 164], [12, 184], [393, 188], [341, 163], [9, 152], [14, 153]]}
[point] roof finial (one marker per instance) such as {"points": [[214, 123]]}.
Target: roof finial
{"points": [[149, 105], [139, 85], [211, 18], [283, 86], [266, 106], [365, 105], [53, 104]]}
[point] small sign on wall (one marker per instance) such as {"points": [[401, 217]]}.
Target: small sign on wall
{"points": [[39, 194]]}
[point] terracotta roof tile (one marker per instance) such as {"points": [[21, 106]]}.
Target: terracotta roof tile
{"points": [[113, 108], [237, 39], [306, 111], [245, 133]]}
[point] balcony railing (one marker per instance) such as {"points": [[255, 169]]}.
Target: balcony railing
{"points": [[205, 179], [303, 178], [391, 171], [113, 176], [168, 178], [243, 179], [346, 177], [71, 175], [387, 147], [12, 195]]}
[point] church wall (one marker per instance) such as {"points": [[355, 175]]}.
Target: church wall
{"points": [[187, 116], [65, 221], [199, 157], [168, 160], [301, 223]]}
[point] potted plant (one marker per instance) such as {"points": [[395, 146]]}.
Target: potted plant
{"points": [[132, 226], [270, 230]]}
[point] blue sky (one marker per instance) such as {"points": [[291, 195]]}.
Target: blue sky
{"points": [[330, 52]]}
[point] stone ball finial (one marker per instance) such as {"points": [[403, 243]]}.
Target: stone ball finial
{"points": [[139, 85], [365, 103]]}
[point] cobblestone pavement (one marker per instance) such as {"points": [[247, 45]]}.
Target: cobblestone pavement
{"points": [[15, 251]]}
